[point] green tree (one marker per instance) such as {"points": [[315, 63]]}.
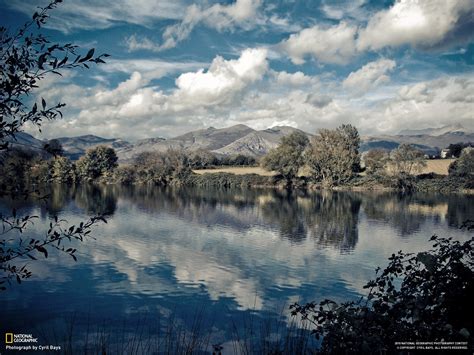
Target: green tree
{"points": [[288, 157], [62, 170], [464, 166], [376, 160], [98, 162], [334, 155], [407, 160], [125, 174], [53, 147]]}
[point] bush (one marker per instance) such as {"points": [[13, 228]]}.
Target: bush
{"points": [[464, 166], [422, 297]]}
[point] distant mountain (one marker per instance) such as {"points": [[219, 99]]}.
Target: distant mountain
{"points": [[240, 139], [75, 147], [26, 141], [453, 128], [257, 143], [210, 139]]}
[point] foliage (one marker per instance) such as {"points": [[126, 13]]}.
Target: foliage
{"points": [[287, 158], [228, 180], [464, 166], [24, 247], [125, 175], [422, 297], [171, 167], [98, 162], [407, 160], [53, 147], [334, 155], [375, 161], [26, 58], [62, 170], [456, 149]]}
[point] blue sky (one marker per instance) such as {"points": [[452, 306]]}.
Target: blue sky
{"points": [[179, 65]]}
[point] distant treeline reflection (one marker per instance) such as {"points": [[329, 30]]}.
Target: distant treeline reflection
{"points": [[330, 218]]}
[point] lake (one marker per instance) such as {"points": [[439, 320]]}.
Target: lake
{"points": [[210, 264]]}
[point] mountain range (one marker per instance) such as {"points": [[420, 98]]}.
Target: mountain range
{"points": [[240, 139]]}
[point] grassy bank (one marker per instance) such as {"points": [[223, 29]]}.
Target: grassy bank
{"points": [[434, 178]]}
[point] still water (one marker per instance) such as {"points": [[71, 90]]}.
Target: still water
{"points": [[212, 259]]}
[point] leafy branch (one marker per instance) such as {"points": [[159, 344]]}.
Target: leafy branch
{"points": [[23, 248]]}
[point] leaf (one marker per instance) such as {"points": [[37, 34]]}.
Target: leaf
{"points": [[42, 250], [18, 279], [88, 56], [43, 103]]}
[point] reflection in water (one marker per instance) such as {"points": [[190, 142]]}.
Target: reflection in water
{"points": [[230, 251]]}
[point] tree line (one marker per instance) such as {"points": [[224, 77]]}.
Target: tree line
{"points": [[332, 158]]}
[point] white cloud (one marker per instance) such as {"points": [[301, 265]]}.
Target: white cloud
{"points": [[90, 14], [424, 104], [339, 10], [369, 76], [296, 79], [334, 44], [149, 68], [419, 23], [242, 13], [415, 22], [223, 79]]}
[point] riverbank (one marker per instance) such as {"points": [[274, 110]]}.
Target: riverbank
{"points": [[421, 183]]}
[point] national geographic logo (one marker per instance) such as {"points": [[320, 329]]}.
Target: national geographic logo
{"points": [[27, 342], [11, 338]]}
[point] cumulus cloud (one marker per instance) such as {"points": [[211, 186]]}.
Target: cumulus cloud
{"points": [[419, 23], [369, 76], [335, 44], [223, 79], [425, 104], [296, 79], [423, 23]]}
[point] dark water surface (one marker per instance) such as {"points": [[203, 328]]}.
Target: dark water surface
{"points": [[215, 258]]}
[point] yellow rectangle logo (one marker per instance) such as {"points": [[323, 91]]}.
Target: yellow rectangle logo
{"points": [[8, 338]]}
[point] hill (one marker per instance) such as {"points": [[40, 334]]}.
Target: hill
{"points": [[240, 139]]}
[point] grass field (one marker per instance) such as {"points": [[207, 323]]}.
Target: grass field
{"points": [[438, 166], [237, 170]]}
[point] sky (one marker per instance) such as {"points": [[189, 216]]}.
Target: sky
{"points": [[178, 65]]}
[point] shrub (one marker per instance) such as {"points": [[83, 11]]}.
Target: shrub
{"points": [[422, 297]]}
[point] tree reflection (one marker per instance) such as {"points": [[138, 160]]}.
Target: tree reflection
{"points": [[330, 218], [97, 199], [334, 219]]}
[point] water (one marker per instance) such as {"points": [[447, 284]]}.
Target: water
{"points": [[216, 258]]}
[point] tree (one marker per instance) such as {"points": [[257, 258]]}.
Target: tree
{"points": [[173, 166], [407, 160], [456, 149], [334, 155], [287, 158], [53, 147], [376, 160], [98, 162], [416, 297], [464, 166], [26, 58], [62, 170]]}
